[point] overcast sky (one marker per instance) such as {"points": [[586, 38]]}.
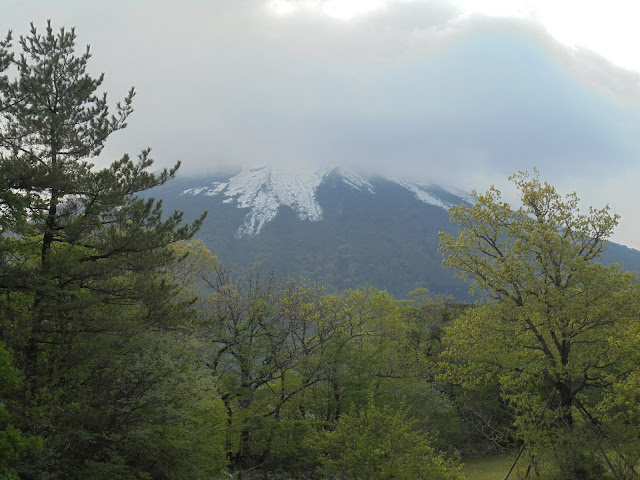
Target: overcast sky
{"points": [[460, 92]]}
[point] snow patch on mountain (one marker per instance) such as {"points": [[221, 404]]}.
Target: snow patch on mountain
{"points": [[460, 193], [355, 181], [194, 191], [421, 192], [218, 187], [263, 191]]}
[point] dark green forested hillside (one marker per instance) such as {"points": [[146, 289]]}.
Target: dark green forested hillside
{"points": [[388, 239]]}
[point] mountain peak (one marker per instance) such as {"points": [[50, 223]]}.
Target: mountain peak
{"points": [[263, 190]]}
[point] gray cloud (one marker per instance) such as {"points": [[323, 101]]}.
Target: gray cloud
{"points": [[413, 89]]}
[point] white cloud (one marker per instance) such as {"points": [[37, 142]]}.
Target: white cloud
{"points": [[340, 9]]}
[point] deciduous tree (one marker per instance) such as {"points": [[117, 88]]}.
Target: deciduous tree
{"points": [[554, 332], [381, 444]]}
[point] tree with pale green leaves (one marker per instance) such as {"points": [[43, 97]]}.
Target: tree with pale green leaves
{"points": [[553, 333], [380, 443]]}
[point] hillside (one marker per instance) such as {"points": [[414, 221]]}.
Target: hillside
{"points": [[334, 228]]}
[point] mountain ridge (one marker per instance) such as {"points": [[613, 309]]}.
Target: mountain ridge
{"points": [[263, 191], [338, 229]]}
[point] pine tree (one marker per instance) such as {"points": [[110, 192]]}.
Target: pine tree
{"points": [[81, 249]]}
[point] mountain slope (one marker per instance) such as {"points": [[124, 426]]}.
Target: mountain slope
{"points": [[332, 227]]}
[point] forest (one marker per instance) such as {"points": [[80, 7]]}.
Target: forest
{"points": [[129, 351]]}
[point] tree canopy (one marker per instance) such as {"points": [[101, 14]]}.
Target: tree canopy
{"points": [[556, 332], [81, 252]]}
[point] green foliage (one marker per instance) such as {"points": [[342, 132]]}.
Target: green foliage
{"points": [[88, 312], [262, 343], [381, 444], [288, 359], [12, 442], [553, 343], [425, 318]]}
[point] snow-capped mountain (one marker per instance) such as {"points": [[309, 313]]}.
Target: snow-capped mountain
{"points": [[263, 191], [333, 227]]}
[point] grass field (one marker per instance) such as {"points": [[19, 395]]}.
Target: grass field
{"points": [[495, 467], [490, 467]]}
